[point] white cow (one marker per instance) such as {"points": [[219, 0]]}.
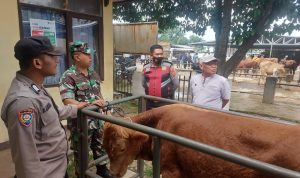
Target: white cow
{"points": [[271, 68]]}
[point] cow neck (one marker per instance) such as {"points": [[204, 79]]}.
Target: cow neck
{"points": [[149, 119], [146, 151]]}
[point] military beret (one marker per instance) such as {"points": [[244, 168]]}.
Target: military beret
{"points": [[79, 46]]}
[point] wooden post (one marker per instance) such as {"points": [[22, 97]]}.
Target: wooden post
{"points": [[269, 90]]}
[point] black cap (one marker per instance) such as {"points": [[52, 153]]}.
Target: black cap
{"points": [[28, 48]]}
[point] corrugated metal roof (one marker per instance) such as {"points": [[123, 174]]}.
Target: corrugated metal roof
{"points": [[278, 42]]}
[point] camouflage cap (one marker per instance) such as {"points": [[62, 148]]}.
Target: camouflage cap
{"points": [[79, 46]]}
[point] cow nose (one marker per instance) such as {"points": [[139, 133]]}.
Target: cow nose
{"points": [[115, 175]]}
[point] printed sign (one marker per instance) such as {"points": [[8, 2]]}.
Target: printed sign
{"points": [[39, 27]]}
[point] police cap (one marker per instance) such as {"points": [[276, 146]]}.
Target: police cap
{"points": [[29, 48]]}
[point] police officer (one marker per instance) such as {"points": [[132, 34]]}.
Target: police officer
{"points": [[80, 83], [160, 78], [38, 140]]}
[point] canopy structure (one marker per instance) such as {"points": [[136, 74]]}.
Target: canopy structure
{"points": [[278, 42]]}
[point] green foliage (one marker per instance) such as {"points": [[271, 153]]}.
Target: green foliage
{"points": [[196, 15], [148, 173], [243, 20], [71, 168], [176, 36], [195, 38]]}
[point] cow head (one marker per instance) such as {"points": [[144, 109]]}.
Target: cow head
{"points": [[280, 71], [122, 146]]}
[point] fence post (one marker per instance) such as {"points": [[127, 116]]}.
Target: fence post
{"points": [[188, 89], [140, 163], [234, 75], [156, 157], [83, 144], [269, 90]]}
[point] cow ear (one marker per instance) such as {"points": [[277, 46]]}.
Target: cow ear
{"points": [[139, 137]]}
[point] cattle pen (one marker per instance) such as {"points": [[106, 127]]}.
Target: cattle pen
{"points": [[254, 73], [158, 134]]}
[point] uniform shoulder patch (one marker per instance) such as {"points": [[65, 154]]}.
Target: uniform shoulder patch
{"points": [[172, 71], [148, 65], [166, 63], [25, 117]]}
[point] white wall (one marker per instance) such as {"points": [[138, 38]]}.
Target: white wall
{"points": [[9, 34]]}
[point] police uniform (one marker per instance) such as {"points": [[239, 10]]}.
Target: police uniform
{"points": [[160, 81], [38, 140]]}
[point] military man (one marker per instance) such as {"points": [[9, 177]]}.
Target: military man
{"points": [[80, 83], [37, 139], [160, 78]]}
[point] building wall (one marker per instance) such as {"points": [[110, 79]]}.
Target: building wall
{"points": [[107, 86], [9, 32]]}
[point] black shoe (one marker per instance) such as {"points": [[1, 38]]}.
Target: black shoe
{"points": [[103, 171]]}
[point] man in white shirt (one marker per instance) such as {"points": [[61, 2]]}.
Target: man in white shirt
{"points": [[208, 88]]}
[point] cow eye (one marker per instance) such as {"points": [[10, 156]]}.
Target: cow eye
{"points": [[122, 149]]}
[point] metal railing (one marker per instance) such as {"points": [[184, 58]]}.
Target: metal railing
{"points": [[158, 134]]}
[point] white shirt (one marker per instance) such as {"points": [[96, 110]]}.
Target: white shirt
{"points": [[210, 91]]}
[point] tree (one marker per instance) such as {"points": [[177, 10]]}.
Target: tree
{"points": [[242, 20], [176, 36], [194, 39]]}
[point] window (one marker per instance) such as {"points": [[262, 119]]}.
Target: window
{"points": [[87, 31], [63, 26], [86, 6], [59, 4], [40, 17]]}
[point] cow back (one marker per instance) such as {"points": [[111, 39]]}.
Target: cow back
{"points": [[258, 139]]}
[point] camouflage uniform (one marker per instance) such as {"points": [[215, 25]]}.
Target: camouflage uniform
{"points": [[75, 85]]}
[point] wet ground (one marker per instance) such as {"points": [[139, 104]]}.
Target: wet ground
{"points": [[247, 97]]}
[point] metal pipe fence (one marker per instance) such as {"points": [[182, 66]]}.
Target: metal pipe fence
{"points": [[288, 78], [158, 134]]}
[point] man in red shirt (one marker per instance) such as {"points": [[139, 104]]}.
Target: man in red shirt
{"points": [[160, 78]]}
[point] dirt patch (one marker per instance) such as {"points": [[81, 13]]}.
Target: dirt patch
{"points": [[247, 97]]}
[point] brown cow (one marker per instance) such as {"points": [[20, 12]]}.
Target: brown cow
{"points": [[259, 139], [248, 63], [291, 65]]}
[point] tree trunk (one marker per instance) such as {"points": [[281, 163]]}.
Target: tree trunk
{"points": [[221, 47], [217, 26], [226, 68], [235, 59]]}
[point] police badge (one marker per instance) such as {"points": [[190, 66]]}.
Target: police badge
{"points": [[25, 117]]}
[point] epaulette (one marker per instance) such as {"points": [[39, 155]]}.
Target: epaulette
{"points": [[35, 89], [148, 64], [166, 63]]}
